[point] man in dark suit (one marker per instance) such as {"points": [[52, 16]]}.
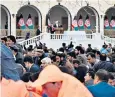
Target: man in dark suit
{"points": [[17, 55], [29, 64], [101, 87]]}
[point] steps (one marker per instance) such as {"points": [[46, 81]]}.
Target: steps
{"points": [[55, 40]]}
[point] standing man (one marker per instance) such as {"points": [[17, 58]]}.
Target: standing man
{"points": [[38, 31]]}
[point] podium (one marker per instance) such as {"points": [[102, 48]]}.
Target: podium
{"points": [[59, 30]]}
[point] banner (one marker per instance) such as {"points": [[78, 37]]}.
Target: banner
{"points": [[74, 25], [112, 23], [106, 23], [29, 22], [21, 23], [87, 23], [80, 23]]}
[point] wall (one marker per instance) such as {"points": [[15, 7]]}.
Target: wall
{"points": [[57, 13], [45, 5], [3, 18]]}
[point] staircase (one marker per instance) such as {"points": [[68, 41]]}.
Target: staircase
{"points": [[55, 40]]}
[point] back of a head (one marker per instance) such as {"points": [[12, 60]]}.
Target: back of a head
{"points": [[28, 59], [98, 52], [34, 77], [91, 54], [61, 49], [81, 72], [64, 69], [26, 77], [89, 45], [72, 54], [14, 48], [103, 75], [103, 57], [4, 38], [63, 44]]}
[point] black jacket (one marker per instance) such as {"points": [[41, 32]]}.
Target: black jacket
{"points": [[19, 58], [104, 65]]}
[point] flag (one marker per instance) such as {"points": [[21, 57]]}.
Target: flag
{"points": [[87, 23], [21, 23], [74, 25], [112, 23], [106, 23], [29, 22], [80, 22]]}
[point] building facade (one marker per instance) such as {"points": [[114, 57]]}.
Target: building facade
{"points": [[64, 11]]}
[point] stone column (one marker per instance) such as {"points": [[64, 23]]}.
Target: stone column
{"points": [[102, 25], [97, 26], [13, 25]]}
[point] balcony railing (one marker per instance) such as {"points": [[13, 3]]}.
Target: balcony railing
{"points": [[109, 33], [21, 33]]}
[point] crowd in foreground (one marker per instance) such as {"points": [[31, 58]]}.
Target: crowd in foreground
{"points": [[71, 71]]}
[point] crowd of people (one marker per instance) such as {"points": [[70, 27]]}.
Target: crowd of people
{"points": [[71, 71]]}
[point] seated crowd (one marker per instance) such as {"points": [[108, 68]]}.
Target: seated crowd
{"points": [[71, 71]]}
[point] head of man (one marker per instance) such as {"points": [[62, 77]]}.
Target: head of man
{"points": [[89, 76], [91, 58], [79, 50], [71, 56], [45, 61], [111, 79], [101, 76], [76, 63], [11, 40], [28, 61], [103, 57], [38, 52], [4, 40]]}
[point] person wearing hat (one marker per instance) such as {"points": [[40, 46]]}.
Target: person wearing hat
{"points": [[54, 83], [17, 55]]}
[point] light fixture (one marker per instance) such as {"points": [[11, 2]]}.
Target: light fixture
{"points": [[59, 1], [13, 15]]}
